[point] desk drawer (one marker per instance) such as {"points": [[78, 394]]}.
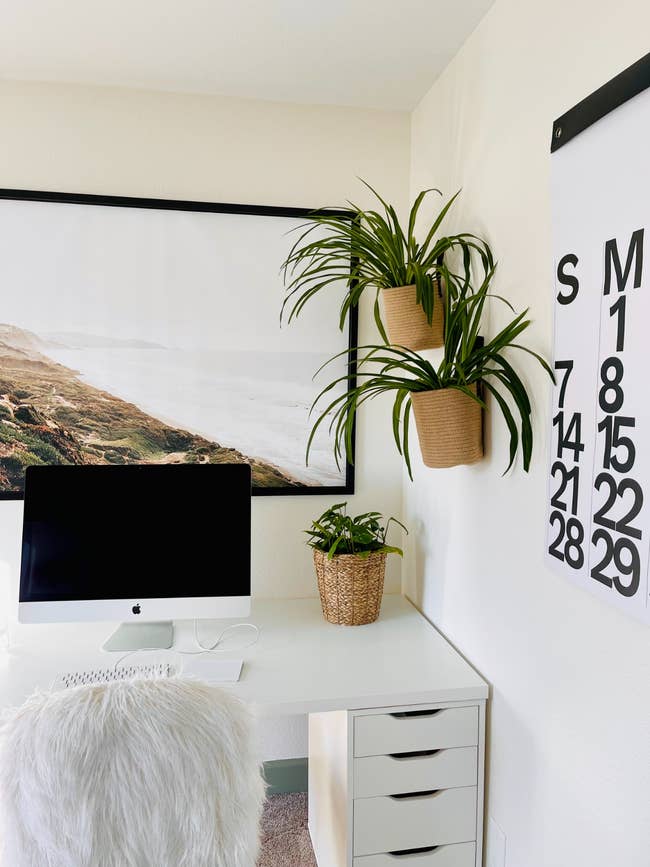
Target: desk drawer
{"points": [[391, 824], [400, 774], [385, 733], [456, 855]]}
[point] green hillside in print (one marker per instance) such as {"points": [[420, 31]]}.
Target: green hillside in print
{"points": [[48, 415]]}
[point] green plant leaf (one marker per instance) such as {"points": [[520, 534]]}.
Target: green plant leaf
{"points": [[336, 532]]}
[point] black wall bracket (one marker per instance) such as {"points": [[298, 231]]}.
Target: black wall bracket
{"points": [[629, 83]]}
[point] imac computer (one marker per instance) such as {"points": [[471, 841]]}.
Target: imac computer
{"points": [[138, 544]]}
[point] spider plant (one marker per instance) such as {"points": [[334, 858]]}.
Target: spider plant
{"points": [[467, 361], [369, 248]]}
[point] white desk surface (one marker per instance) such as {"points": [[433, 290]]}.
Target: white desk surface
{"points": [[301, 663]]}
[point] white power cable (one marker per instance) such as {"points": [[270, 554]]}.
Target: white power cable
{"points": [[213, 648]]}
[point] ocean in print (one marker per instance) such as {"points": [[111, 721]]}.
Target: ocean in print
{"points": [[256, 402]]}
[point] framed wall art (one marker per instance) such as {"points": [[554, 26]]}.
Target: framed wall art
{"points": [[148, 331]]}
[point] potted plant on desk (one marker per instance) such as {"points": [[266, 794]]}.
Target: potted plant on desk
{"points": [[350, 560]]}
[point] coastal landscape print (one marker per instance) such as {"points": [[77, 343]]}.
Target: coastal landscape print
{"points": [[133, 335]]}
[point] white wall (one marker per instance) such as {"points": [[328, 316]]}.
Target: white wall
{"points": [[139, 143], [569, 774]]}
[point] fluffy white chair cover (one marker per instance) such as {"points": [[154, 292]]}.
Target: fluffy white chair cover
{"points": [[149, 773]]}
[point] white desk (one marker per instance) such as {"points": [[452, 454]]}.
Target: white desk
{"points": [[351, 680]]}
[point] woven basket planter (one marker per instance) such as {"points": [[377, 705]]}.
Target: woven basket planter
{"points": [[350, 587], [406, 321], [449, 425]]}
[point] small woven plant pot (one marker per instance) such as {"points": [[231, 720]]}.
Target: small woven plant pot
{"points": [[449, 425], [350, 587], [406, 321]]}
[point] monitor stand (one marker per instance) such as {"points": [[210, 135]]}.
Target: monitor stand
{"points": [[141, 636]]}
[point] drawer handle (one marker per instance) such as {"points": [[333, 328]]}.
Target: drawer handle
{"points": [[429, 793], [416, 754], [404, 853], [408, 714]]}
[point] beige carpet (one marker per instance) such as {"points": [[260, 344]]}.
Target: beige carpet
{"points": [[285, 838]]}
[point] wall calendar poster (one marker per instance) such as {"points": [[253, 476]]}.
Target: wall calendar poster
{"points": [[598, 520]]}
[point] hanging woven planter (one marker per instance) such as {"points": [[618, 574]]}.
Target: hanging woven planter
{"points": [[350, 586], [449, 426], [406, 321]]}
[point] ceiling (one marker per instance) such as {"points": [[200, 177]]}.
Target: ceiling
{"points": [[372, 53]]}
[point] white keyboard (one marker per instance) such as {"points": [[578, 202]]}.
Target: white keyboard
{"points": [[109, 675]]}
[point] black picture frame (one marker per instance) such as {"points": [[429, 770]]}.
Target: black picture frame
{"points": [[111, 201]]}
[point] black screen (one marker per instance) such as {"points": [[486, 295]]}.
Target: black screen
{"points": [[125, 532]]}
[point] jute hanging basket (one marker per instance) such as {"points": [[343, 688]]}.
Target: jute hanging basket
{"points": [[406, 321], [449, 426], [350, 587]]}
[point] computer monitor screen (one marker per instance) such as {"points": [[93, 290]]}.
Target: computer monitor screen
{"points": [[136, 542]]}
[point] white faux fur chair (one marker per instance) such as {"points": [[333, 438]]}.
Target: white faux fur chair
{"points": [[148, 773]]}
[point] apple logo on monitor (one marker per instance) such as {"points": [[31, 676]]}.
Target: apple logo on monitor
{"points": [[136, 609]]}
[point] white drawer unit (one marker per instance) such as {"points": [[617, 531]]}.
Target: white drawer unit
{"points": [[415, 772], [455, 855], [387, 824], [398, 786], [410, 731]]}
